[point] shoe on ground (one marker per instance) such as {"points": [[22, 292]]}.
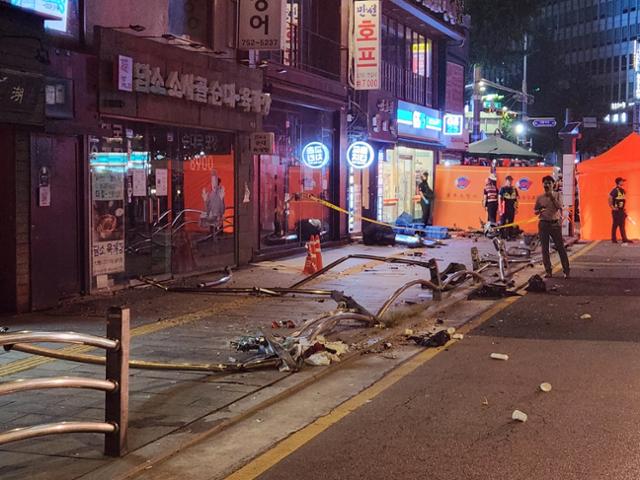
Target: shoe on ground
{"points": [[628, 241], [615, 242], [566, 275]]}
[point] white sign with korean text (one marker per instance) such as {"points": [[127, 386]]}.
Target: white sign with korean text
{"points": [[125, 73], [365, 49], [196, 88], [161, 182], [139, 181], [262, 143], [262, 24], [108, 257]]}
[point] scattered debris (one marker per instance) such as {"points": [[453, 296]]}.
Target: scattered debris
{"points": [[545, 387], [439, 321], [519, 416], [500, 356], [457, 336], [491, 292], [432, 340], [585, 316], [485, 402], [408, 332], [451, 330], [387, 345], [283, 324], [536, 284]]}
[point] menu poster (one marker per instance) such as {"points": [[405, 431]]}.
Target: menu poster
{"points": [[161, 182], [107, 185], [139, 183]]}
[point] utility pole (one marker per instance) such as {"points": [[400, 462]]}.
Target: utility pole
{"points": [[477, 102], [525, 95]]}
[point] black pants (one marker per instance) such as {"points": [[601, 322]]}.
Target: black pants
{"points": [[619, 217], [551, 230], [507, 217], [492, 212], [426, 212]]}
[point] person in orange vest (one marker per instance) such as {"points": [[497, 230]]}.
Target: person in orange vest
{"points": [[617, 204], [490, 199]]}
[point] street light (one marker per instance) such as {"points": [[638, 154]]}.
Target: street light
{"points": [[519, 129]]}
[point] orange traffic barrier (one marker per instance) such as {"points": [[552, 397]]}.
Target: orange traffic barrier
{"points": [[310, 265], [318, 252]]}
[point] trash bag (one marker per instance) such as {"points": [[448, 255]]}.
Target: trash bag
{"points": [[373, 234], [436, 340], [404, 220], [308, 227], [536, 284]]}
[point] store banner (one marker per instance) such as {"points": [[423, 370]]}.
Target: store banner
{"points": [[262, 25], [365, 52], [107, 185], [459, 191]]}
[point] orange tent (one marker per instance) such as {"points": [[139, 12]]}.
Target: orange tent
{"points": [[596, 179]]}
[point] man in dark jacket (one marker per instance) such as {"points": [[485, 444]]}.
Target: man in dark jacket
{"points": [[509, 200], [548, 207], [426, 198], [618, 203]]}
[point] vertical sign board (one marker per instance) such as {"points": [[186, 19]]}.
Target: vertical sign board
{"points": [[365, 45], [262, 25], [636, 66]]}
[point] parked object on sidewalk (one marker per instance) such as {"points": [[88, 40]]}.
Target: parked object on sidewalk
{"points": [[545, 387], [519, 416], [432, 340], [500, 356], [536, 284]]}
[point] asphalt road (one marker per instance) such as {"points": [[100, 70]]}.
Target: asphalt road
{"points": [[451, 417]]}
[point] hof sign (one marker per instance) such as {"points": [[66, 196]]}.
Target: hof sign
{"points": [[360, 155], [315, 155], [262, 25]]}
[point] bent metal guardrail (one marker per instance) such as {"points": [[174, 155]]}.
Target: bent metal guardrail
{"points": [[116, 386]]}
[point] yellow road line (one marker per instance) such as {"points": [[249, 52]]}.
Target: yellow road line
{"points": [[294, 442]]}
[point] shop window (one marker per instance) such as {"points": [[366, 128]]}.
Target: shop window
{"points": [[299, 168], [164, 198]]}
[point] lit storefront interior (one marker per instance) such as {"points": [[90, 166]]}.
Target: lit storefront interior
{"points": [[163, 201]]}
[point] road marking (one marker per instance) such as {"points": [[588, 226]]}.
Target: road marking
{"points": [[272, 457]]}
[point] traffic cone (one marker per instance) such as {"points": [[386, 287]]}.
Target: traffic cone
{"points": [[310, 262], [318, 253]]}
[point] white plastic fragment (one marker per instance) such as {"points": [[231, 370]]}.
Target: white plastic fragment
{"points": [[545, 387], [451, 330], [519, 416], [585, 316], [500, 356], [408, 332], [458, 336]]}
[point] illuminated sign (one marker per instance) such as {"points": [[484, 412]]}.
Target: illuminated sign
{"points": [[453, 124], [360, 155], [636, 66], [418, 121], [55, 8], [315, 155], [365, 54]]}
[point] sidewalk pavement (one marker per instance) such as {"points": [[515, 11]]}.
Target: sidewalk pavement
{"points": [[167, 407]]}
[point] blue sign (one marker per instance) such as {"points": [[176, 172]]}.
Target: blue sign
{"points": [[453, 124], [315, 155], [360, 155], [418, 121], [462, 183], [58, 9], [544, 122]]}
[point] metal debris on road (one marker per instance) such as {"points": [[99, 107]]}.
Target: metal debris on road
{"points": [[500, 356]]}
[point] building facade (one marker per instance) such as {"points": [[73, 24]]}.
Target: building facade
{"points": [[600, 37]]}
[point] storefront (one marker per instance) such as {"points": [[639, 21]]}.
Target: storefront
{"points": [[401, 168], [306, 162], [171, 175]]}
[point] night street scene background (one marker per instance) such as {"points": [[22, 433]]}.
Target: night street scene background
{"points": [[343, 239]]}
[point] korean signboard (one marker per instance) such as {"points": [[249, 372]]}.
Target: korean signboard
{"points": [[262, 24], [107, 186], [56, 8], [19, 92], [419, 122], [365, 54], [315, 155], [360, 155], [193, 88], [262, 143]]}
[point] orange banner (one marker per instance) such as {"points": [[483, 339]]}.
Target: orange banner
{"points": [[459, 191]]}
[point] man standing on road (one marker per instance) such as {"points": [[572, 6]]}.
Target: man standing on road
{"points": [[426, 198], [617, 203], [490, 199], [549, 209], [509, 207]]}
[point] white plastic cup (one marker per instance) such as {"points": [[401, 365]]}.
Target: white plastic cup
{"points": [[500, 356], [519, 416], [545, 387]]}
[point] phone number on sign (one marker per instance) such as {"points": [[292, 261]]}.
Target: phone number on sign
{"points": [[259, 43]]}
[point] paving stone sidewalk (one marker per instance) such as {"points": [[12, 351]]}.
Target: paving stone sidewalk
{"points": [[194, 328]]}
